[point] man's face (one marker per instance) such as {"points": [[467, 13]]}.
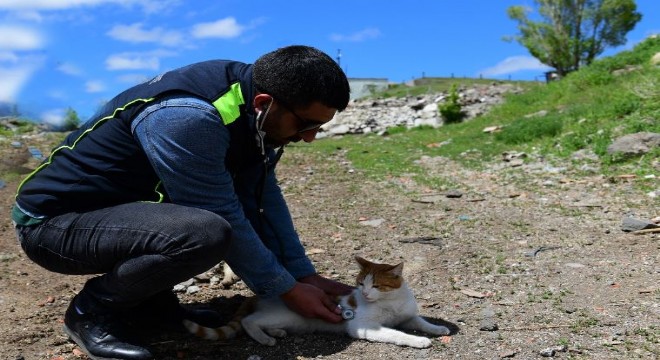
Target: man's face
{"points": [[284, 124]]}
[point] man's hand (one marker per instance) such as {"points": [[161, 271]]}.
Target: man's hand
{"points": [[310, 301], [331, 287]]}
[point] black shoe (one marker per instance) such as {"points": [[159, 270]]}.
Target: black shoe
{"points": [[164, 312], [100, 333]]}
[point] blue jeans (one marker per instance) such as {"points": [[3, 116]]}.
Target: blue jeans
{"points": [[139, 248]]}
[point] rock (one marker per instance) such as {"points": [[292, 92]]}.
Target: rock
{"points": [[549, 352], [363, 116], [541, 113], [372, 223], [193, 289], [340, 130], [454, 194], [631, 224], [488, 324], [655, 60], [634, 144]]}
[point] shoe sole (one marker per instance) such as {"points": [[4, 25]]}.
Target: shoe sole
{"points": [[80, 344]]}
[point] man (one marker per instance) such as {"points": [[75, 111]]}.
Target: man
{"points": [[172, 176]]}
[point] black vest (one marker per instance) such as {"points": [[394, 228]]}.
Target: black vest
{"points": [[102, 164]]}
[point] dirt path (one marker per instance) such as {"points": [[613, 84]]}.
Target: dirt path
{"points": [[518, 261]]}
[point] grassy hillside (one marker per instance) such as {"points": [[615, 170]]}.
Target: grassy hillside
{"points": [[586, 110]]}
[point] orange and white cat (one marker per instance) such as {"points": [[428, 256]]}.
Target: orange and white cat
{"points": [[381, 302]]}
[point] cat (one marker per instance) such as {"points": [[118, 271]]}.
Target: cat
{"points": [[381, 301]]}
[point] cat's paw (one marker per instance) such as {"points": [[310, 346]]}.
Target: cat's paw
{"points": [[440, 330], [279, 333], [420, 342], [266, 340]]}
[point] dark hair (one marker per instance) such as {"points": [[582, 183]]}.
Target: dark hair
{"points": [[300, 75]]}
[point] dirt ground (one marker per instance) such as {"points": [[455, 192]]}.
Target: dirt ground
{"points": [[520, 262]]}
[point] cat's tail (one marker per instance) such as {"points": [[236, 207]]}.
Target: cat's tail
{"points": [[227, 331]]}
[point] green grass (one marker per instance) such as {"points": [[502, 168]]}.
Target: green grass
{"points": [[587, 109]]}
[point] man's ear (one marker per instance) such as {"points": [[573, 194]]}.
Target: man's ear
{"points": [[262, 102]]}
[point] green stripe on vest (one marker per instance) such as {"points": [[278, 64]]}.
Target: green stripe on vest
{"points": [[228, 104]]}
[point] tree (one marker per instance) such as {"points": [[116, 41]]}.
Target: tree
{"points": [[71, 120], [571, 33]]}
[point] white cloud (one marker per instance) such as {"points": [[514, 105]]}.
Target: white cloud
{"points": [[94, 86], [69, 69], [224, 28], [47, 4], [136, 34], [29, 15], [136, 60], [133, 79], [15, 75], [149, 6], [514, 64], [13, 37], [132, 61], [362, 35], [13, 79], [157, 6], [53, 117]]}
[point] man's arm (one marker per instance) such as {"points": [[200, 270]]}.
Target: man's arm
{"points": [[187, 145], [313, 295]]}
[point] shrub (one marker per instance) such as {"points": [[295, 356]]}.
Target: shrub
{"points": [[451, 109]]}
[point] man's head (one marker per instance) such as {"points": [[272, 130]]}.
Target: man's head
{"points": [[300, 75], [302, 88]]}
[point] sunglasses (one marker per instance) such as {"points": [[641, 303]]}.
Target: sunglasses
{"points": [[304, 125]]}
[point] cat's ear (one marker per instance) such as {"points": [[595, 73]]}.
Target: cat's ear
{"points": [[397, 269], [362, 262]]}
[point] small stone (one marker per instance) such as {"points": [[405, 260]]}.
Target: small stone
{"points": [[549, 352], [508, 354], [454, 194], [193, 289], [372, 223], [574, 265], [488, 325]]}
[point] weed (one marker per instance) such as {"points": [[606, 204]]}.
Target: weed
{"points": [[583, 323]]}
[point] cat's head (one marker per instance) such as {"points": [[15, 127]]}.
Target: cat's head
{"points": [[377, 281]]}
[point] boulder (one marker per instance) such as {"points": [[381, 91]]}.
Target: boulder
{"points": [[634, 144]]}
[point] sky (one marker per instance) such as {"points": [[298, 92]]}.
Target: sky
{"points": [[61, 54]]}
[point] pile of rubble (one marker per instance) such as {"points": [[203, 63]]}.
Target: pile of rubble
{"points": [[364, 116]]}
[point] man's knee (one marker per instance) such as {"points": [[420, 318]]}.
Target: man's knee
{"points": [[215, 234]]}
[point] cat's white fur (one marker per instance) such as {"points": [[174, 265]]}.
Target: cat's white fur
{"points": [[376, 315]]}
